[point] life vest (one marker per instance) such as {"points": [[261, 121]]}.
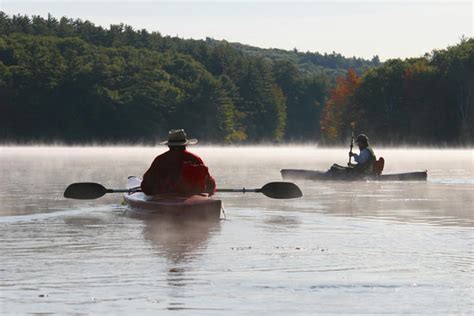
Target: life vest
{"points": [[372, 154], [193, 179], [367, 166]]}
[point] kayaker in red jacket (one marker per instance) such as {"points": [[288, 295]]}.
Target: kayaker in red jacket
{"points": [[178, 170]]}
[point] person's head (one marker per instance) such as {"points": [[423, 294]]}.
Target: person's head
{"points": [[362, 141], [177, 140]]}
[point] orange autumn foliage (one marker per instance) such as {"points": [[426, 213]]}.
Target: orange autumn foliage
{"points": [[337, 114]]}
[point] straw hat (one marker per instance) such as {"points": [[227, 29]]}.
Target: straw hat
{"points": [[177, 137]]}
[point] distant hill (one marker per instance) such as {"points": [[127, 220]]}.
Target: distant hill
{"points": [[332, 65], [309, 63]]}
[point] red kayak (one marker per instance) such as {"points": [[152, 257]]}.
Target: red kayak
{"points": [[170, 205]]}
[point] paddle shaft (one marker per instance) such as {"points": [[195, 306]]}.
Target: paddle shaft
{"points": [[131, 190], [243, 190], [352, 145], [218, 190], [122, 190]]}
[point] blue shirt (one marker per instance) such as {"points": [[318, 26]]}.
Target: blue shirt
{"points": [[363, 157]]}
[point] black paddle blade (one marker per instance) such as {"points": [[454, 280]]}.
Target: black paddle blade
{"points": [[281, 190], [84, 191]]}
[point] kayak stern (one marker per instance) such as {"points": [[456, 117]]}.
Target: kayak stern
{"points": [[199, 207]]}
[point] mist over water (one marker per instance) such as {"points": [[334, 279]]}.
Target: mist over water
{"points": [[362, 247]]}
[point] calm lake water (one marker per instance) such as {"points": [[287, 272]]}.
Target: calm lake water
{"points": [[344, 248]]}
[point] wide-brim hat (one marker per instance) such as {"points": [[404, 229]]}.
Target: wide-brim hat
{"points": [[177, 137], [362, 138]]}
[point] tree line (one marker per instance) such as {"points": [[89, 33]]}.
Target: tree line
{"points": [[332, 65], [427, 100], [68, 80], [71, 81]]}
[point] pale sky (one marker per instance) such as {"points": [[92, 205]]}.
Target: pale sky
{"points": [[390, 29]]}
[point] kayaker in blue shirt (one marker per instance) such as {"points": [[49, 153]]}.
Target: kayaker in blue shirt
{"points": [[366, 157]]}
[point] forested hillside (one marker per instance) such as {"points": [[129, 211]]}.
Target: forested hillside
{"points": [[71, 81], [427, 100], [332, 65]]}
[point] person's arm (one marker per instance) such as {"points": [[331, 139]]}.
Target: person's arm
{"points": [[363, 157], [210, 185], [210, 182], [149, 177]]}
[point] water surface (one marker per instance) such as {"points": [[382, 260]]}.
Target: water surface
{"points": [[360, 248]]}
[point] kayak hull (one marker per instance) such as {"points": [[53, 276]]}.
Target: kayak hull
{"points": [[200, 207], [190, 207], [323, 176]]}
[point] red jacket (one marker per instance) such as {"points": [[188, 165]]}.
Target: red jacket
{"points": [[178, 171]]}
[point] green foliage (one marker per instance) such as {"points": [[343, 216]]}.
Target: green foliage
{"points": [[305, 96], [328, 65], [71, 81], [419, 100]]}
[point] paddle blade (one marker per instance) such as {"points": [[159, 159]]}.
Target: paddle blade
{"points": [[84, 191], [281, 190]]}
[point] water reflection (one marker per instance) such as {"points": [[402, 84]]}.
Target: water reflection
{"points": [[179, 240]]}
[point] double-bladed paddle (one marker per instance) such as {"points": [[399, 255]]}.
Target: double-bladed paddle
{"points": [[91, 190]]}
